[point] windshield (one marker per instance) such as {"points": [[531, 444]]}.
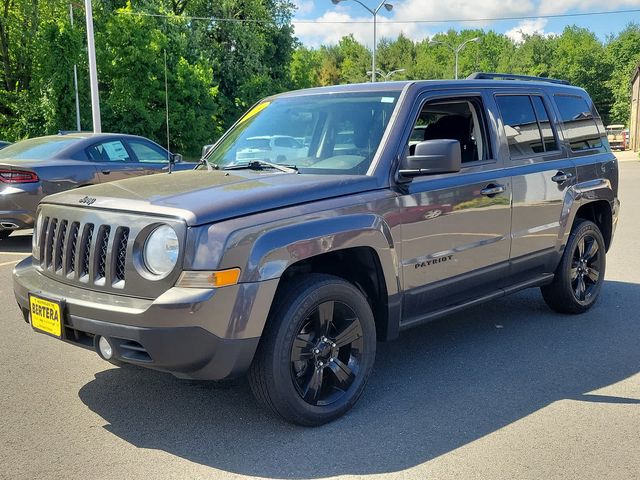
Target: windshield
{"points": [[324, 134], [36, 148]]}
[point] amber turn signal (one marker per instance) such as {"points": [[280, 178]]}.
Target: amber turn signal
{"points": [[209, 279]]}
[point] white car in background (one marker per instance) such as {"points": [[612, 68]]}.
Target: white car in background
{"points": [[275, 149]]}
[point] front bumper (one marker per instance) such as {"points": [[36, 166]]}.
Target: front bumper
{"points": [[206, 334]]}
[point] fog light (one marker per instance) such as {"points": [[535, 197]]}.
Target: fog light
{"points": [[106, 351]]}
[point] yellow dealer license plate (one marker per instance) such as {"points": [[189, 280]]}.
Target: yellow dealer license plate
{"points": [[46, 315]]}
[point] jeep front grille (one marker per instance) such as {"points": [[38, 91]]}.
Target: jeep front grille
{"points": [[121, 258], [85, 252]]}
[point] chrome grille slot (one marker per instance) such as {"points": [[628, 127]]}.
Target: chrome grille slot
{"points": [[101, 249], [59, 246], [49, 242], [42, 239], [85, 251], [120, 256], [72, 248]]}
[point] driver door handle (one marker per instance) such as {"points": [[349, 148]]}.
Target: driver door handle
{"points": [[106, 172], [561, 177], [492, 190]]}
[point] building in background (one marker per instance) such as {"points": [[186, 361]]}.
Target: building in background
{"points": [[634, 126]]}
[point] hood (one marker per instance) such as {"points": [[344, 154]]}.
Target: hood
{"points": [[200, 196]]}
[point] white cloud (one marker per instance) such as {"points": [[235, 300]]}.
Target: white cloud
{"points": [[527, 27], [303, 7], [465, 11], [552, 7], [360, 25], [319, 33]]}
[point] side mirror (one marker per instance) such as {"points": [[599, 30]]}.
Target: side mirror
{"points": [[206, 149], [175, 158], [432, 157]]}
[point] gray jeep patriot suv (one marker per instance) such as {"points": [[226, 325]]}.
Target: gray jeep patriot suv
{"points": [[325, 220]]}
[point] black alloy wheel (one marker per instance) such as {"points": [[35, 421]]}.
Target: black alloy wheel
{"points": [[586, 266], [579, 277], [326, 353], [316, 352]]}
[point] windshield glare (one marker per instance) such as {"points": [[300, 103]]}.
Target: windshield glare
{"points": [[36, 148], [323, 134]]}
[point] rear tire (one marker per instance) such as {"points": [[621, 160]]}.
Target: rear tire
{"points": [[579, 277], [317, 351]]}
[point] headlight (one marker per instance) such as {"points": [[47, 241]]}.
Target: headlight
{"points": [[161, 250]]}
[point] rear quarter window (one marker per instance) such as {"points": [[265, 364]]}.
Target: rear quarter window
{"points": [[579, 124]]}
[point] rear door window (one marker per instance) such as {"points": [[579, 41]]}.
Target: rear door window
{"points": [[112, 151], [548, 137], [520, 125], [579, 124]]}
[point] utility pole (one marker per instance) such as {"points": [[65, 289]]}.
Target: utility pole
{"points": [[93, 70], [75, 78]]}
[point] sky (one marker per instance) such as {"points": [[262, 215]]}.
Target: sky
{"points": [[321, 22]]}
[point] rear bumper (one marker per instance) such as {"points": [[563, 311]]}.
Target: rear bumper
{"points": [[18, 205], [191, 333]]}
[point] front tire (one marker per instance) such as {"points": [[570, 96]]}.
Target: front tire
{"points": [[580, 275], [317, 351]]}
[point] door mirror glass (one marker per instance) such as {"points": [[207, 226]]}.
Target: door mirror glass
{"points": [[432, 157], [206, 149]]}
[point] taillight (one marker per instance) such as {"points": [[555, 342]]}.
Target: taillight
{"points": [[18, 176]]}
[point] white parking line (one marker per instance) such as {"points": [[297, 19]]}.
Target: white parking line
{"points": [[9, 263]]}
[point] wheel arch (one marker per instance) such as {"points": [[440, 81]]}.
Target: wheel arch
{"points": [[357, 248], [600, 213]]}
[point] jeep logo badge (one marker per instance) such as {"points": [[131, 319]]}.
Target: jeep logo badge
{"points": [[87, 200]]}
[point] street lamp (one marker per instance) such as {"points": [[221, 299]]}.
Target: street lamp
{"points": [[387, 75], [93, 70], [373, 12], [456, 50]]}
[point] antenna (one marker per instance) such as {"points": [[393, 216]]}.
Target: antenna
{"points": [[166, 99]]}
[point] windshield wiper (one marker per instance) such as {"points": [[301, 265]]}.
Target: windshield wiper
{"points": [[261, 165]]}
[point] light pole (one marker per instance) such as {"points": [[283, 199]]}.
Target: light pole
{"points": [[456, 50], [387, 75], [75, 78], [93, 70], [373, 12]]}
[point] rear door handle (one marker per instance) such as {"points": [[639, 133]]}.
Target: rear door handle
{"points": [[106, 172], [561, 177], [492, 190]]}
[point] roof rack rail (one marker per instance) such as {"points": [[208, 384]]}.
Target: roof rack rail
{"points": [[509, 76]]}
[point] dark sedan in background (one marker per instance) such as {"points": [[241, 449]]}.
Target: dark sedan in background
{"points": [[34, 168]]}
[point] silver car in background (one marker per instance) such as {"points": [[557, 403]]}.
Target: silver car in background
{"points": [[34, 168]]}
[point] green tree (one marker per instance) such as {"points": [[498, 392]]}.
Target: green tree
{"points": [[623, 53], [305, 67]]}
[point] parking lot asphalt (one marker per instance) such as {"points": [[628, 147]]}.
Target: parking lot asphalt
{"points": [[501, 391]]}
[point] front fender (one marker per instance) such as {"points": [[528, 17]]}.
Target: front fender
{"points": [[276, 249]]}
